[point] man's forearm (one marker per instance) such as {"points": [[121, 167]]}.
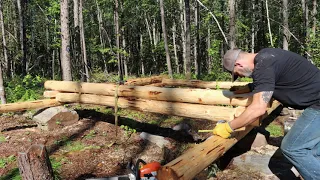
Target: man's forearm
{"points": [[246, 118]]}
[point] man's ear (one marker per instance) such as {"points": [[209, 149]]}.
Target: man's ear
{"points": [[238, 64]]}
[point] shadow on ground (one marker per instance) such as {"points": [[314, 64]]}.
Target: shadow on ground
{"points": [[180, 136]]}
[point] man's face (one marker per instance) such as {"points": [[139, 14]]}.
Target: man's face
{"points": [[242, 70]]}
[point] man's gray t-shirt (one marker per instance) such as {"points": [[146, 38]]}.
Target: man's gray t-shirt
{"points": [[294, 80]]}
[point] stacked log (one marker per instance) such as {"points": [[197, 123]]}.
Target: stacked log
{"points": [[193, 103]]}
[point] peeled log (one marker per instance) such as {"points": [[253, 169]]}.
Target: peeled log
{"points": [[50, 94], [145, 81], [197, 96], [178, 109], [21, 106], [191, 163], [201, 84]]}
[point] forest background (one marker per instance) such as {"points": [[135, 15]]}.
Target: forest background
{"points": [[113, 40]]}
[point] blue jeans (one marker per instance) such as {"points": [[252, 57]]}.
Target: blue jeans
{"points": [[301, 146]]}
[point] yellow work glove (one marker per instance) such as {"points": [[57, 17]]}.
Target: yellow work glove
{"points": [[240, 89], [223, 129]]}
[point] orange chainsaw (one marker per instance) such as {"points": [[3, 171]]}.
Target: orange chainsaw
{"points": [[148, 171]]}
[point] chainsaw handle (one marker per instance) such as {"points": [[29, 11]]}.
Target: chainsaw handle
{"points": [[137, 172]]}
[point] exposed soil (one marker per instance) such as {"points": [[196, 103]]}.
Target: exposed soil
{"points": [[104, 149]]}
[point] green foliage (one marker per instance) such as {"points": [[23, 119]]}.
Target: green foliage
{"points": [[91, 134], [14, 174], [78, 146], [128, 131], [213, 169], [313, 47], [24, 89], [275, 130], [74, 146], [56, 166], [2, 138], [5, 161]]}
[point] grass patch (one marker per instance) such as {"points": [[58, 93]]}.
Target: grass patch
{"points": [[133, 114], [14, 174], [2, 138], [78, 146], [91, 134], [275, 130], [7, 160], [171, 120]]}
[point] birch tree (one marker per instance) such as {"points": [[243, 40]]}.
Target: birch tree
{"points": [[286, 35], [164, 31]]}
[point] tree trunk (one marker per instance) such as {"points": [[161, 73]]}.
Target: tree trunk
{"points": [[188, 43], [4, 42], [76, 34], [269, 27], [196, 41], [141, 55], [183, 34], [286, 35], [314, 17], [174, 29], [253, 25], [35, 164], [209, 58], [164, 31], [65, 42], [102, 42], [83, 42], [21, 4], [117, 32], [232, 24], [54, 52], [125, 61]]}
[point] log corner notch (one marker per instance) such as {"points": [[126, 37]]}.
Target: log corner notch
{"points": [[191, 163]]}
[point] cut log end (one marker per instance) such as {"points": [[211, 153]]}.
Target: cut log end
{"points": [[35, 164]]}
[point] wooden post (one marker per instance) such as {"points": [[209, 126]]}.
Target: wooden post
{"points": [[35, 164]]}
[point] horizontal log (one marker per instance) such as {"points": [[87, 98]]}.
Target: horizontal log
{"points": [[145, 81], [197, 96], [50, 94], [201, 84], [191, 163], [21, 106], [198, 111]]}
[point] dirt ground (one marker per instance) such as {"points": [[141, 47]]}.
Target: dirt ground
{"points": [[95, 147]]}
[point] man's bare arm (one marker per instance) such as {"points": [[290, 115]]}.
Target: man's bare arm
{"points": [[257, 108]]}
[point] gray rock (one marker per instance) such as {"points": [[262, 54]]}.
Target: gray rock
{"points": [[55, 117], [158, 140]]}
